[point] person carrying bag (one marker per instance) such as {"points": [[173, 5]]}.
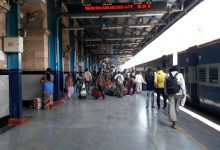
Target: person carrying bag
{"points": [[175, 90]]}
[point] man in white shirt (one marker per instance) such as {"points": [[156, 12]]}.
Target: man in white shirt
{"points": [[175, 89], [139, 80]]}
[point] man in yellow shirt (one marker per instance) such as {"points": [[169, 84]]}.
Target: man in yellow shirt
{"points": [[159, 79]]}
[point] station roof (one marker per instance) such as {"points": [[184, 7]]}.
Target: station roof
{"points": [[127, 27]]}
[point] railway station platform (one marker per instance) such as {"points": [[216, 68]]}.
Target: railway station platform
{"points": [[110, 124], [48, 46]]}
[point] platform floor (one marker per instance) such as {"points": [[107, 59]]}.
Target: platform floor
{"points": [[111, 124]]}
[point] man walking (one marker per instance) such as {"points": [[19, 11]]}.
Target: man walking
{"points": [[175, 89], [139, 80], [149, 78], [159, 79]]}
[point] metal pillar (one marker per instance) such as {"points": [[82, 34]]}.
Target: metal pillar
{"points": [[60, 54], [53, 49], [15, 68], [72, 49]]}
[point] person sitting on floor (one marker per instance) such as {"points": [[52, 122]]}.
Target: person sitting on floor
{"points": [[47, 87], [43, 78]]}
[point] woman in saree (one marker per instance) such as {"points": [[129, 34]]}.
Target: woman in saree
{"points": [[47, 92]]}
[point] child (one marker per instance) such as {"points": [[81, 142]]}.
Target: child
{"points": [[69, 85]]}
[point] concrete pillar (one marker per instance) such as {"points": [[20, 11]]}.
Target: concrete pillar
{"points": [[35, 56], [60, 49], [80, 52], [15, 68], [66, 51], [77, 54], [4, 9], [4, 74]]}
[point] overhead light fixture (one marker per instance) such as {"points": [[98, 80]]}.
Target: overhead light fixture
{"points": [[127, 38], [149, 14], [75, 29], [93, 39], [123, 49], [139, 26], [90, 45], [116, 16], [134, 38], [85, 17], [125, 44], [109, 28], [113, 39]]}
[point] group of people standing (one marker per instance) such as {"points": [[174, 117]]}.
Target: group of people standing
{"points": [[117, 83], [171, 86]]}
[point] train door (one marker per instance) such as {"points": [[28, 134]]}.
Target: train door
{"points": [[187, 80], [194, 73]]}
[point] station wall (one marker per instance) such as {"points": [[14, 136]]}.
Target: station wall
{"points": [[4, 77], [4, 99], [31, 87]]}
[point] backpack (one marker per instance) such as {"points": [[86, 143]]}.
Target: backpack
{"points": [[172, 85]]}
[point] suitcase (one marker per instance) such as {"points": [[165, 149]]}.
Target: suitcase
{"points": [[96, 93]]}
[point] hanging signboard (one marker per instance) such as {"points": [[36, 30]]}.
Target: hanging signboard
{"points": [[118, 7]]}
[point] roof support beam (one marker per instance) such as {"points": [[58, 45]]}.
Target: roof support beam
{"points": [[113, 54], [131, 26], [114, 38]]}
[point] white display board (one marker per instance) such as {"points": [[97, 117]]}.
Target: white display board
{"points": [[13, 44]]}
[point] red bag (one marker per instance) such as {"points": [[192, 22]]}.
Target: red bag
{"points": [[96, 93]]}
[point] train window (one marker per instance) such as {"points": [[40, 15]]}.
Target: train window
{"points": [[213, 75], [202, 75]]}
